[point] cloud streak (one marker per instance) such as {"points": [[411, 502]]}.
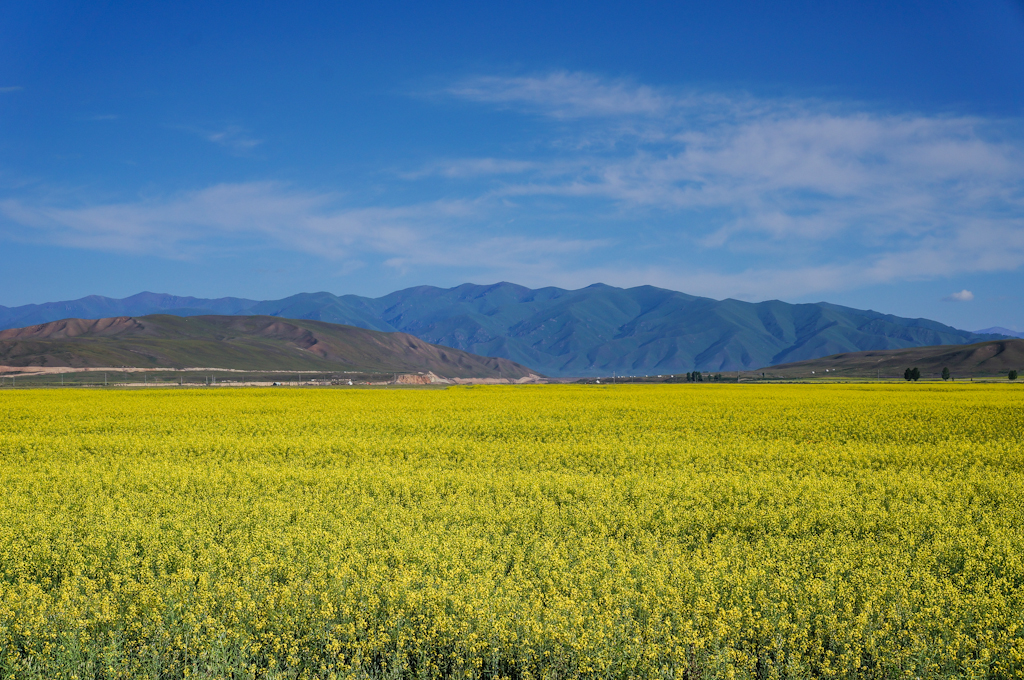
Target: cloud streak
{"points": [[718, 194], [233, 138], [874, 196], [963, 296], [565, 95], [241, 217]]}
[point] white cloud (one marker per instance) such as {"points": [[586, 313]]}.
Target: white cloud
{"points": [[471, 168], [565, 95], [963, 296], [245, 216], [11, 88], [234, 138], [868, 196], [715, 194]]}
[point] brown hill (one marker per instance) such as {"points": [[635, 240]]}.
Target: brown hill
{"points": [[238, 342], [992, 358]]}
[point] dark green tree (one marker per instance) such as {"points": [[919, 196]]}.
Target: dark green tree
{"points": [[945, 373], [915, 374], [906, 375], [1012, 375]]}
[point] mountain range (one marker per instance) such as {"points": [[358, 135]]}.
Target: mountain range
{"points": [[592, 331], [237, 342]]}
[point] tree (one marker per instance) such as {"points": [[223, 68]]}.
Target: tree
{"points": [[906, 375], [945, 373], [1012, 375], [915, 374]]}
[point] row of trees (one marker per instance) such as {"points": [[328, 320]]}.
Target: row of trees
{"points": [[915, 374], [697, 376]]}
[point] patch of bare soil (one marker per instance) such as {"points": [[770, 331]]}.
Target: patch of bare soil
{"points": [[427, 378]]}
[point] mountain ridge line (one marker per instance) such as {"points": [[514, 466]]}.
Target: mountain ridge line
{"points": [[591, 331]]}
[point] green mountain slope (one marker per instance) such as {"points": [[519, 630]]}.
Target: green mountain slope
{"points": [[992, 358], [601, 329], [592, 331], [239, 342]]}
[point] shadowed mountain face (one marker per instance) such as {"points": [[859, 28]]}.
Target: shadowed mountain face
{"points": [[593, 331], [992, 358], [240, 342]]}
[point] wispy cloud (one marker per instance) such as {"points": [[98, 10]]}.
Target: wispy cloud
{"points": [[963, 296], [472, 168], [234, 138], [718, 194], [566, 95], [239, 217], [867, 196], [11, 88]]}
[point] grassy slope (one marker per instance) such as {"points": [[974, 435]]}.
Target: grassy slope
{"points": [[249, 343], [996, 357]]}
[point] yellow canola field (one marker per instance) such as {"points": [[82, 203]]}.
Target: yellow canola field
{"points": [[681, 531]]}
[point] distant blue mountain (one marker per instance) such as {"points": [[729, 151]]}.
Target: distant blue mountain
{"points": [[592, 331], [999, 330], [99, 307]]}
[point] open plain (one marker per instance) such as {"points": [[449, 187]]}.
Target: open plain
{"points": [[673, 531]]}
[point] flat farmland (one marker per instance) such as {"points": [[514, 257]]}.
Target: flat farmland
{"points": [[672, 531]]}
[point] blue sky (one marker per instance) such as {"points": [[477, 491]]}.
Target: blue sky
{"points": [[868, 154]]}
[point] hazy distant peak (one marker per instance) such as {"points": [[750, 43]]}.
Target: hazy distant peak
{"points": [[999, 330]]}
